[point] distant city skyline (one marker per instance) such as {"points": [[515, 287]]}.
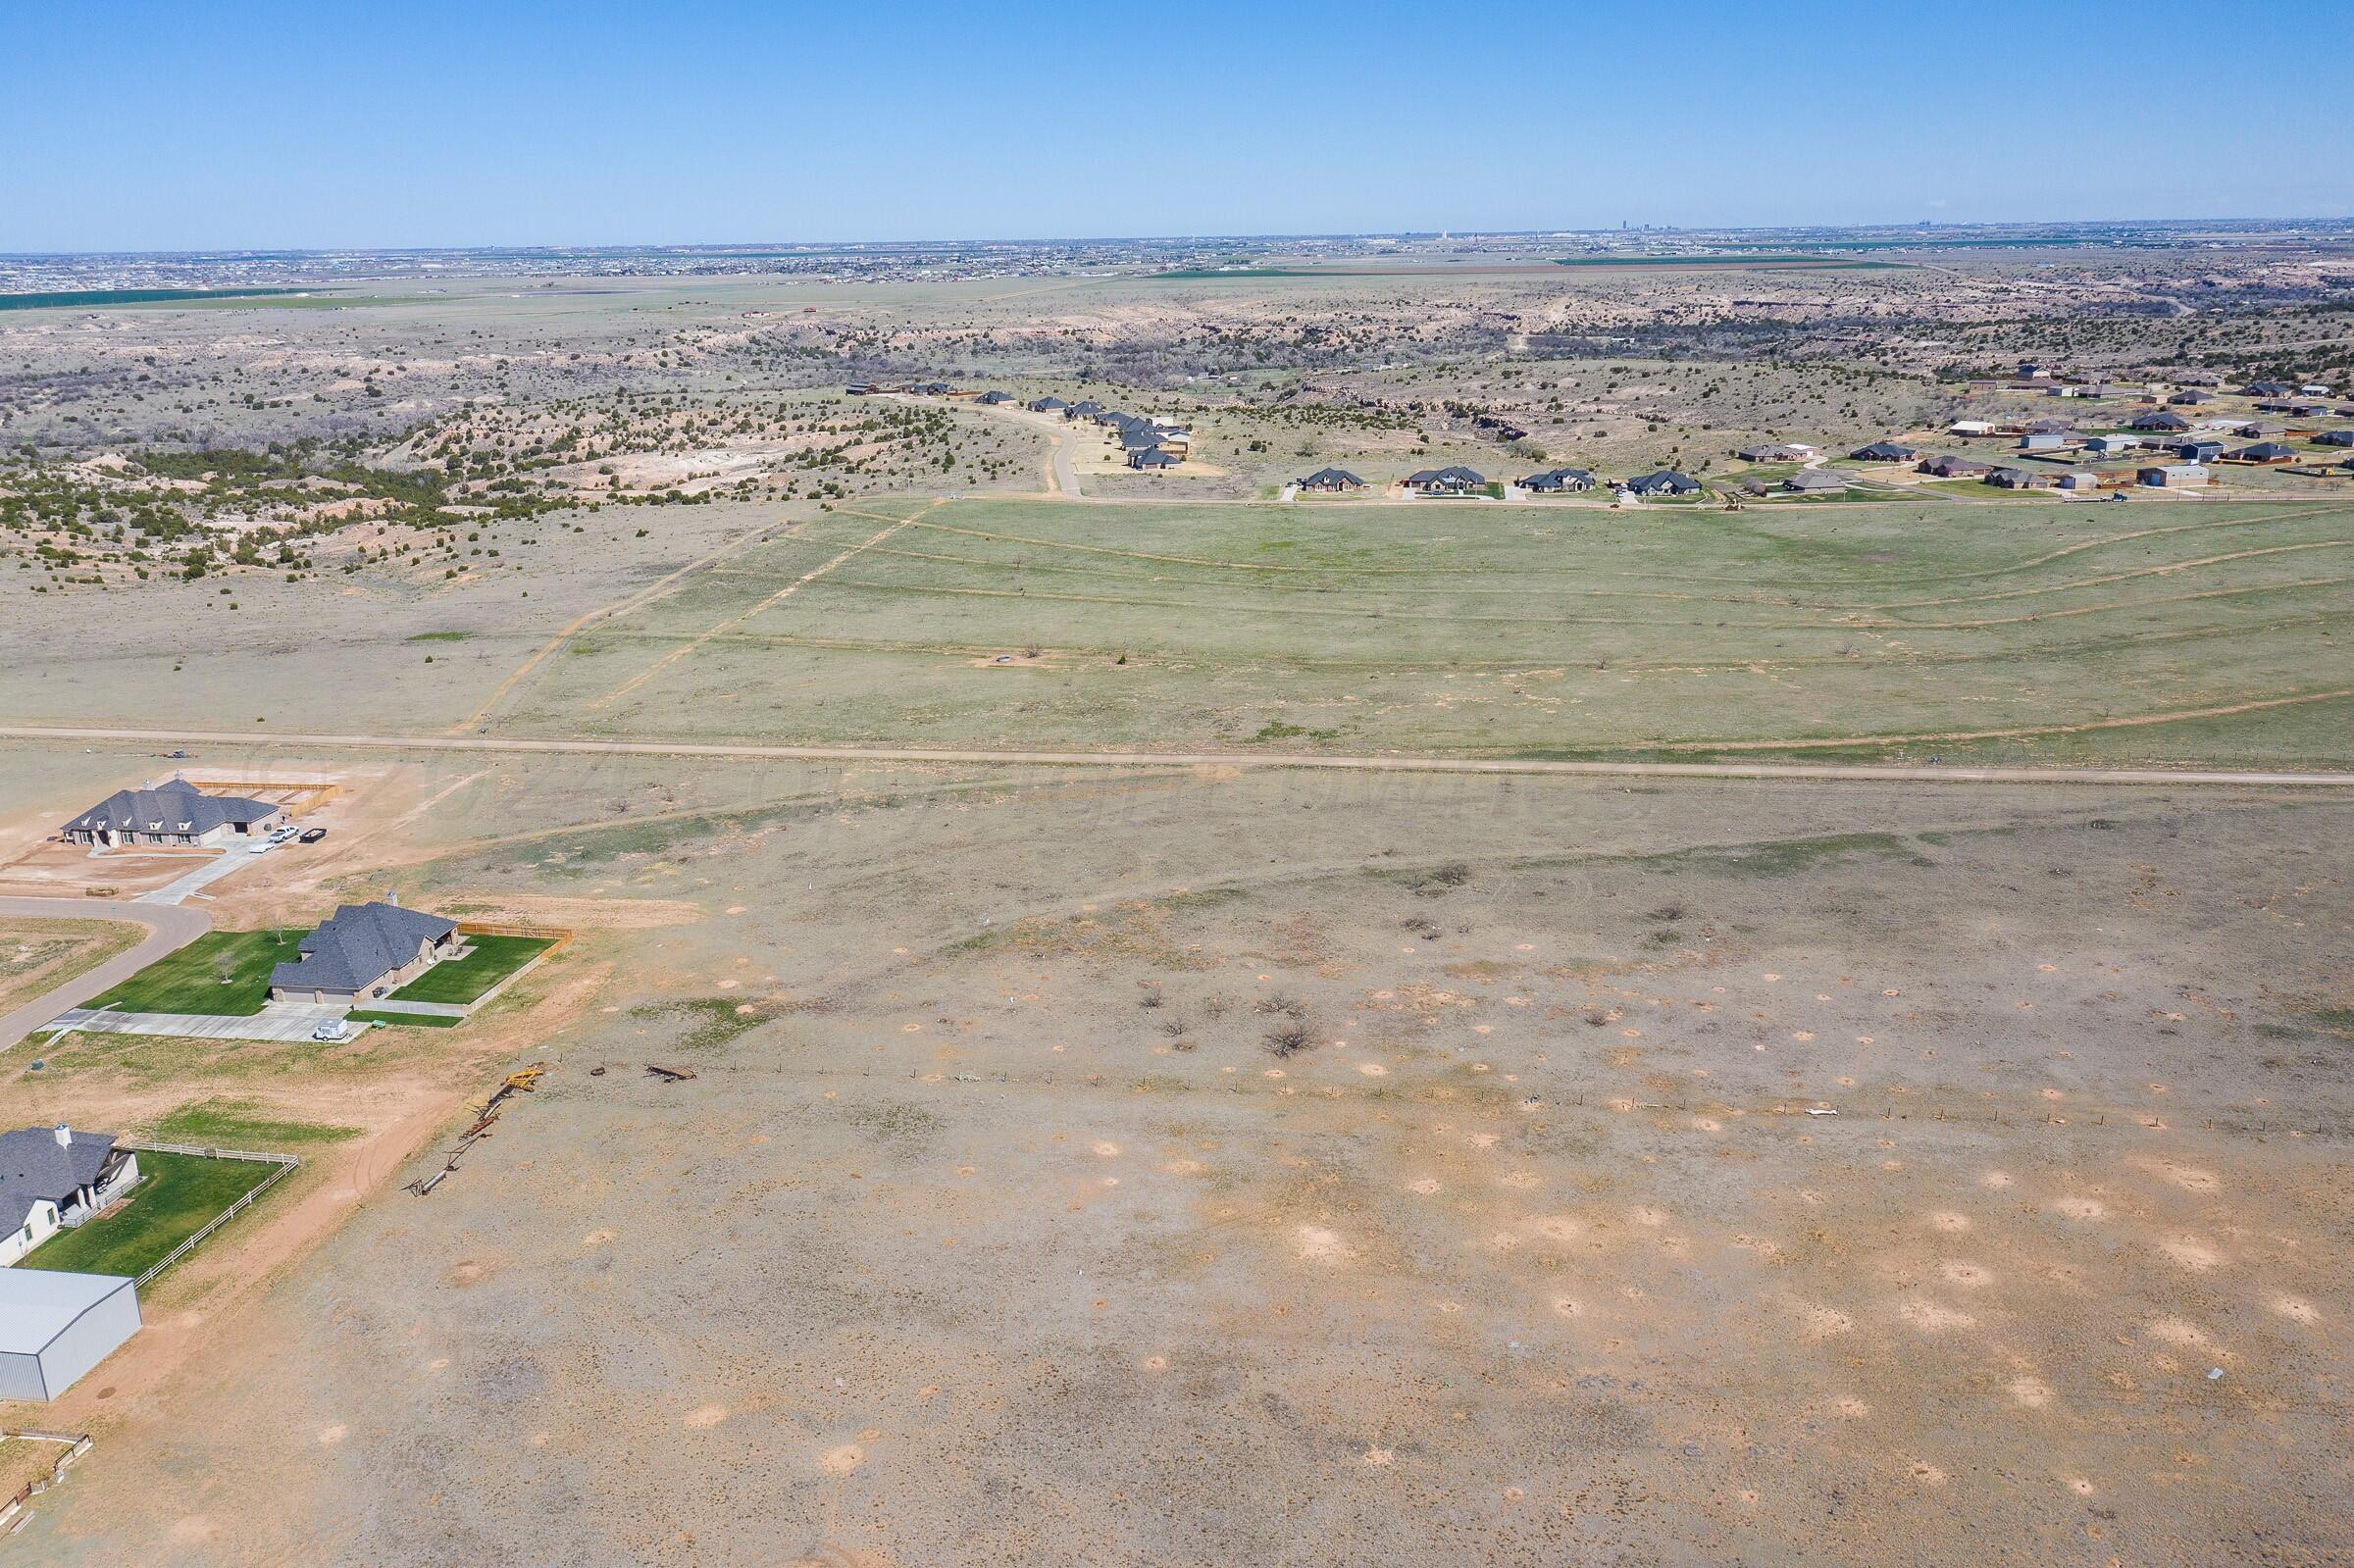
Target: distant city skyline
{"points": [[151, 128]]}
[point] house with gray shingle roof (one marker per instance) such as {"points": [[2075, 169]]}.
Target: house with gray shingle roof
{"points": [[1455, 481], [1663, 482], [174, 811], [53, 1178], [1332, 480], [362, 951]]}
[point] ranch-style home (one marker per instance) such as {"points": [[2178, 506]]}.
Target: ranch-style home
{"points": [[364, 951], [1457, 481], [1330, 481], [1154, 458], [1663, 482], [1885, 452], [53, 1178], [1559, 480], [174, 811]]}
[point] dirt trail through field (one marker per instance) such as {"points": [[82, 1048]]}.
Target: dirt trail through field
{"points": [[646, 595], [1860, 773], [734, 620]]}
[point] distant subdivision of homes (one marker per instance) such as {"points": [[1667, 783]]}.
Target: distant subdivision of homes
{"points": [[1148, 444]]}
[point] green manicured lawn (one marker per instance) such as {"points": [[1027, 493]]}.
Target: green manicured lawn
{"points": [[463, 980], [176, 1196], [375, 1015], [190, 980]]}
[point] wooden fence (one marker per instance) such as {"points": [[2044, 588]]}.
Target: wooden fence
{"points": [[285, 1163]]}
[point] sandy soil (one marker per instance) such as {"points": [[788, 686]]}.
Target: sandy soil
{"points": [[993, 1229]]}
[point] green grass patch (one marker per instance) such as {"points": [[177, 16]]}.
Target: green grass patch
{"points": [[175, 1196], [240, 1124], [378, 1015], [223, 974], [714, 1020], [440, 636], [465, 979]]}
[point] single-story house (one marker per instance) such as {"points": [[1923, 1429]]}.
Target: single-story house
{"points": [[2197, 451], [2267, 389], [2173, 476], [1086, 409], [1140, 437], [1555, 482], [1663, 482], [2260, 429], [2265, 452], [1815, 482], [1885, 452], [56, 1326], [860, 388], [1953, 468], [1047, 405], [1778, 452], [1456, 481], [995, 398], [2191, 399], [54, 1178], [1153, 458], [2158, 420], [174, 811], [1330, 481], [2335, 438], [2048, 427], [362, 951], [2019, 479]]}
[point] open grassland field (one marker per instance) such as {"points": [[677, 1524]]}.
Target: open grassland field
{"points": [[1254, 1167], [176, 1196], [223, 973], [36, 955], [2044, 631]]}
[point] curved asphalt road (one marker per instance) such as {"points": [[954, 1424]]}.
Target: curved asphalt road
{"points": [[170, 927]]}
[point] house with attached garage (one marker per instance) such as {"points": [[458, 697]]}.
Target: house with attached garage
{"points": [[1152, 459], [1457, 481], [1954, 468], [1815, 482], [1558, 481], [1047, 405], [1663, 482], [364, 951], [1885, 452], [2158, 420], [1330, 481], [174, 811], [52, 1178]]}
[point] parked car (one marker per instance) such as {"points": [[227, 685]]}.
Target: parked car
{"points": [[332, 1029], [311, 835]]}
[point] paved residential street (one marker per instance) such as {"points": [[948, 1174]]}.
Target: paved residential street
{"points": [[170, 927]]}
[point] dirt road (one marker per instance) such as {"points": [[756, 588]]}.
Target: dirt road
{"points": [[1859, 773], [170, 927]]}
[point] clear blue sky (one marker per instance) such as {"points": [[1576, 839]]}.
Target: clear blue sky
{"points": [[194, 126]]}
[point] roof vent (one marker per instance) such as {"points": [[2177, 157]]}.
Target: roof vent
{"points": [[64, 1136]]}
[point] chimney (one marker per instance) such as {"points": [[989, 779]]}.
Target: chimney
{"points": [[64, 1136]]}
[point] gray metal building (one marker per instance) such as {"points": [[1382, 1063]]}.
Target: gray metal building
{"points": [[56, 1327]]}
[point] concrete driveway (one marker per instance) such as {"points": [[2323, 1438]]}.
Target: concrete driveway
{"points": [[230, 861], [170, 927], [279, 1021]]}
